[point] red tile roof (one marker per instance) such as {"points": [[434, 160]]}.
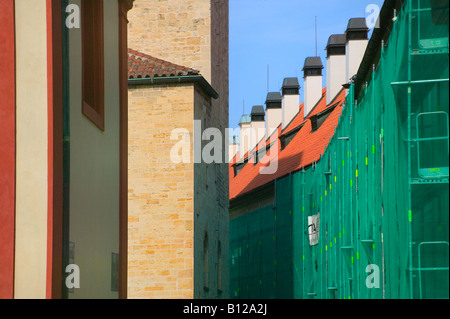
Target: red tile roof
{"points": [[141, 65], [305, 148]]}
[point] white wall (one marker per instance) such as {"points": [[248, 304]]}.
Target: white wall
{"points": [[232, 151], [336, 73], [31, 150], [290, 105], [258, 131], [244, 139], [273, 120], [355, 50], [313, 92]]}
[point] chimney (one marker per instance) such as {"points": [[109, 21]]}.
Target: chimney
{"points": [[336, 65], [312, 82], [244, 144], [273, 112], [257, 126], [290, 100], [233, 147], [355, 47]]}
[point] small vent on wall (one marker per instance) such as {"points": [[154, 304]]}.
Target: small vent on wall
{"points": [[114, 272]]}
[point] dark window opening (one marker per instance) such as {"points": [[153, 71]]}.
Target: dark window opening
{"points": [[336, 51], [313, 72], [239, 166], [286, 139], [93, 61], [258, 118], [261, 153], [318, 119], [274, 105], [257, 157], [357, 35], [290, 91]]}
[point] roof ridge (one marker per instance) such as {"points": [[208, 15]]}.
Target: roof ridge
{"points": [[155, 59], [140, 63], [305, 148]]}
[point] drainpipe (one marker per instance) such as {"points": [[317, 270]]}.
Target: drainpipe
{"points": [[66, 155]]}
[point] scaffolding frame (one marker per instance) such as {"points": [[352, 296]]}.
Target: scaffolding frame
{"points": [[376, 206]]}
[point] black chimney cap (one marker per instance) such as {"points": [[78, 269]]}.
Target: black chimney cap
{"points": [[357, 29], [336, 40], [313, 63], [258, 110], [273, 97], [357, 24], [291, 83]]}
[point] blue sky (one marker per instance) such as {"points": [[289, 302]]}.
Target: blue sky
{"points": [[281, 34]]}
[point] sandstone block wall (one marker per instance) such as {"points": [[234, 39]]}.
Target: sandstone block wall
{"points": [[160, 194], [178, 31], [192, 33]]}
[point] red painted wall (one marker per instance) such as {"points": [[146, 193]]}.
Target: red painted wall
{"points": [[7, 148], [50, 149]]}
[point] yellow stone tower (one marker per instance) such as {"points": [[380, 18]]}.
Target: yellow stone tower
{"points": [[178, 214]]}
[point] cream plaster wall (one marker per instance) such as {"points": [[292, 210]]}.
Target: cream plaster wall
{"points": [[31, 154]]}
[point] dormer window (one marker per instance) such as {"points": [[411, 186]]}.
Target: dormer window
{"points": [[261, 153], [318, 119], [239, 166], [257, 157], [288, 137]]}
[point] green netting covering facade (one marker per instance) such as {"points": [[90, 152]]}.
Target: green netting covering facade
{"points": [[380, 188]]}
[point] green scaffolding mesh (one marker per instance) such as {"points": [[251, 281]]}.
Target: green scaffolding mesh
{"points": [[380, 188]]}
